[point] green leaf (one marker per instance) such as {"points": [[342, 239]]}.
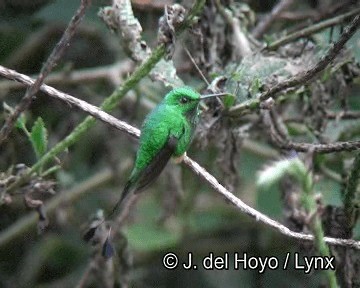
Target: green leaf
{"points": [[255, 86], [38, 137], [21, 122], [229, 100]]}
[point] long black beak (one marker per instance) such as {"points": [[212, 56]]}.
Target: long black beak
{"points": [[213, 95]]}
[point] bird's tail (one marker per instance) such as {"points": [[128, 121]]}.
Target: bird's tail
{"points": [[125, 193]]}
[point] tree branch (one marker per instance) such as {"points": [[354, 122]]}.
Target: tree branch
{"points": [[281, 138], [70, 100], [258, 216], [7, 235], [45, 70], [312, 29], [302, 77], [112, 73], [264, 25]]}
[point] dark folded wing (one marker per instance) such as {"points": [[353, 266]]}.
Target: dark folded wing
{"points": [[157, 164], [150, 173]]}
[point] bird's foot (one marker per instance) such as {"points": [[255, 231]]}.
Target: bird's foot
{"points": [[179, 159]]}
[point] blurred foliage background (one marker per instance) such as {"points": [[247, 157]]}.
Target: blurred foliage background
{"points": [[179, 213]]}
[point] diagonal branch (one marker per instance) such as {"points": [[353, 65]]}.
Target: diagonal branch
{"points": [[312, 29], [99, 114], [111, 102], [262, 26], [50, 63], [258, 216], [196, 168], [70, 100], [302, 77]]}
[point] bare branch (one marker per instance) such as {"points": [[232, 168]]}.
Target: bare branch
{"points": [[72, 101], [196, 168], [240, 41], [282, 140], [312, 29], [264, 25], [112, 73], [302, 77], [305, 76], [123, 126], [45, 70]]}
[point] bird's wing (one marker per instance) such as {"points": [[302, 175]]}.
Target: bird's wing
{"points": [[149, 173], [157, 164]]}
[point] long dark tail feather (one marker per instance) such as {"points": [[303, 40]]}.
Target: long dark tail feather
{"points": [[89, 234], [125, 193]]}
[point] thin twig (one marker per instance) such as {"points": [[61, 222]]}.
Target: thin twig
{"points": [[196, 66], [342, 115], [264, 25], [70, 100], [322, 148], [279, 134], [45, 70], [112, 73], [305, 76], [312, 29], [302, 77]]}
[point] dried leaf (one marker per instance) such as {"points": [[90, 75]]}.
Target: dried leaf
{"points": [[107, 249]]}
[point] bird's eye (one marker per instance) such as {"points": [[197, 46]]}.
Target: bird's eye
{"points": [[184, 100]]}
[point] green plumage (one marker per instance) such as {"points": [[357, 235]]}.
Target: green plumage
{"points": [[167, 131]]}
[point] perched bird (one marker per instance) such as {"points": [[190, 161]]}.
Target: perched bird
{"points": [[167, 131]]}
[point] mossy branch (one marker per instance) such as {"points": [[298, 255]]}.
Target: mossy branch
{"points": [[311, 207]]}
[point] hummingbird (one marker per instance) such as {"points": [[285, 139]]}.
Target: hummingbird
{"points": [[166, 132]]}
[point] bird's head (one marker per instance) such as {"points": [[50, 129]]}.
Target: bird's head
{"points": [[185, 99]]}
